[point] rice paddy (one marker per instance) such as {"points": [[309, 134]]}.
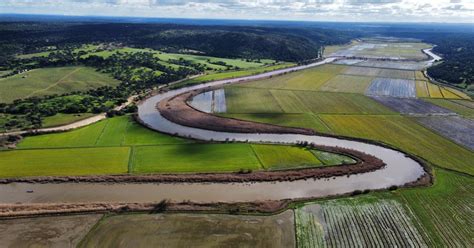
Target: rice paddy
{"points": [[48, 81], [253, 100], [458, 129], [341, 223], [406, 134], [412, 106], [193, 230], [55, 232], [120, 146], [401, 88], [381, 49]]}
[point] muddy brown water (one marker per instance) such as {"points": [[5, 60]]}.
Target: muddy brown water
{"points": [[400, 169]]}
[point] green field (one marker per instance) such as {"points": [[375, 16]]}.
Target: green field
{"points": [[63, 119], [64, 162], [123, 146], [406, 134], [241, 99], [208, 61], [48, 81], [438, 216], [283, 157]]}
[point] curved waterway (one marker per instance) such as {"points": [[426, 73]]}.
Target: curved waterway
{"points": [[399, 170]]}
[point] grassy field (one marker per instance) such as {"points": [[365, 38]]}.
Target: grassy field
{"points": [[405, 134], [254, 100], [64, 162], [63, 119], [119, 145], [192, 230], [47, 81]]}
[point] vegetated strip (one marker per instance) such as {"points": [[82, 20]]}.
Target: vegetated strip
{"points": [[365, 163], [178, 111]]}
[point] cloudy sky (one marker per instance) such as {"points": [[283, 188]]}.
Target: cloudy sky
{"points": [[316, 10]]}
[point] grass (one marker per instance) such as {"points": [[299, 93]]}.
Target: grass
{"points": [[406, 134], [63, 119], [194, 158], [64, 162], [283, 157], [48, 81]]}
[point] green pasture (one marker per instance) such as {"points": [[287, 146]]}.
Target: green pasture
{"points": [[63, 119], [48, 81]]}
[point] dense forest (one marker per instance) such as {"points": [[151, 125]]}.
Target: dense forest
{"points": [[285, 44]]}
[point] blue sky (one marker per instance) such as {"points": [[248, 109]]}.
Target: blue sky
{"points": [[310, 10]]}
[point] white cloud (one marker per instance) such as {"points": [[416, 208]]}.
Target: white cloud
{"points": [[324, 10]]}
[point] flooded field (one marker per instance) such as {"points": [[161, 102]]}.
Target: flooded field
{"points": [[402, 88], [193, 230], [412, 106], [210, 101], [60, 232], [380, 224], [455, 128]]}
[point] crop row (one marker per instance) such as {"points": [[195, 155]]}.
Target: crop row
{"points": [[379, 224]]}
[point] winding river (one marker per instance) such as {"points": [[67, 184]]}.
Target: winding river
{"points": [[399, 170]]}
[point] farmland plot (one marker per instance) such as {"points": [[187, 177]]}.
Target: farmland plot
{"points": [[412, 106], [250, 100], [404, 74], [55, 232], [362, 71], [461, 107], [394, 65], [193, 230], [422, 89], [392, 87], [347, 83], [455, 128], [383, 223], [210, 101]]}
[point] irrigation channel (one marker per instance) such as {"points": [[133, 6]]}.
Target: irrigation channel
{"points": [[399, 168]]}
